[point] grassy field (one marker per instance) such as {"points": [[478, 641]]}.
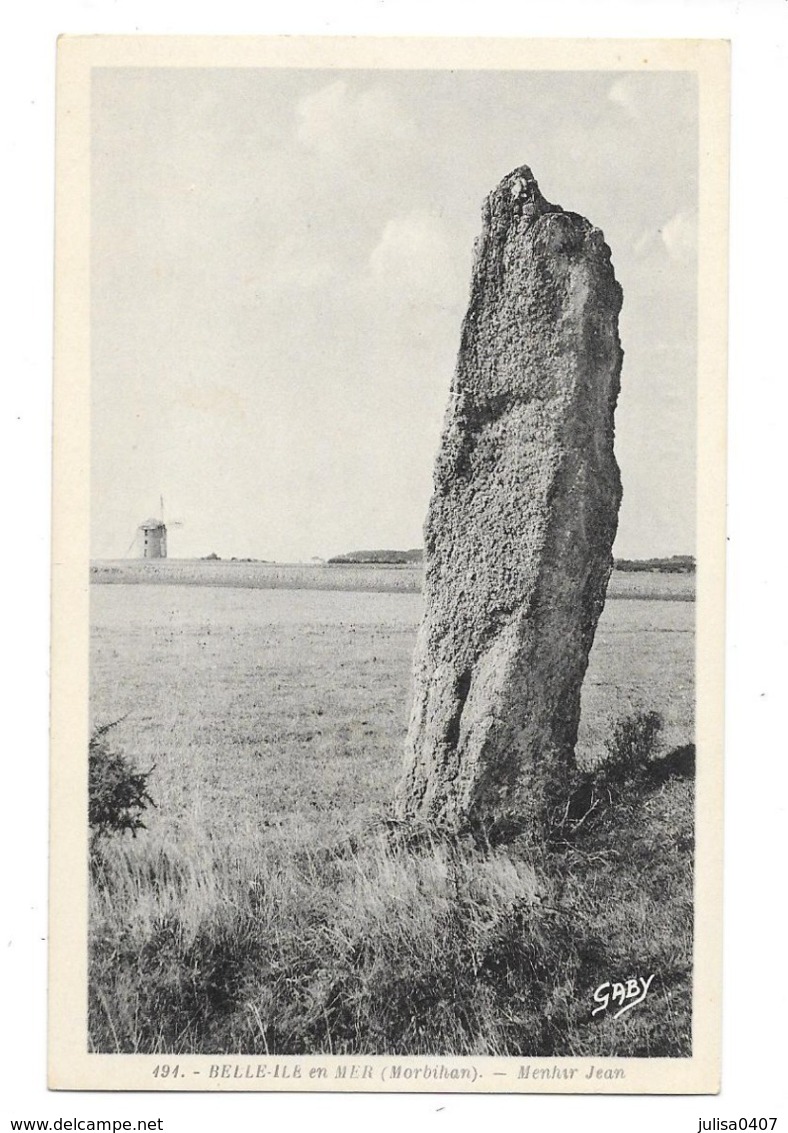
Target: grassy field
{"points": [[379, 578], [272, 906]]}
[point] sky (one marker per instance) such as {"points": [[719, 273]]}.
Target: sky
{"points": [[280, 268]]}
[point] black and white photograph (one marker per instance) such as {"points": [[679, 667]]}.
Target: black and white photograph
{"points": [[389, 543]]}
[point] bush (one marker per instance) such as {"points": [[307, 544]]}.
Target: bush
{"points": [[634, 743], [592, 799], [117, 792]]}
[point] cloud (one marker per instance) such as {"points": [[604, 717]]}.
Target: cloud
{"points": [[677, 238], [680, 236], [336, 119], [415, 256]]}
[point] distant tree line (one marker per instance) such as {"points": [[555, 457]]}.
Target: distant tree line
{"points": [[214, 558], [676, 564], [394, 557]]}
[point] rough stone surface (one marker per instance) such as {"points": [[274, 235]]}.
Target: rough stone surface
{"points": [[521, 524]]}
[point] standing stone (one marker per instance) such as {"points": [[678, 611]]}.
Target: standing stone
{"points": [[521, 524]]}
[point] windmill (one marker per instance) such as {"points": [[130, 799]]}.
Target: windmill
{"points": [[151, 536]]}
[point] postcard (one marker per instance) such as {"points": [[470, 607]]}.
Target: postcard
{"points": [[388, 565]]}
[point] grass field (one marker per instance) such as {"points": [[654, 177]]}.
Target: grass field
{"points": [[271, 906], [379, 578]]}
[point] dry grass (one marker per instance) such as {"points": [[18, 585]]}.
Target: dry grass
{"points": [[270, 908]]}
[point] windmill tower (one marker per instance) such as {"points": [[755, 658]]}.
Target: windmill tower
{"points": [[152, 539], [152, 536]]}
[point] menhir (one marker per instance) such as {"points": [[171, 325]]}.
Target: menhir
{"points": [[521, 524]]}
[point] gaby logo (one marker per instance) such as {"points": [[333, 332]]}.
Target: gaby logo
{"points": [[623, 995]]}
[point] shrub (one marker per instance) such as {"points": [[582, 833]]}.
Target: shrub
{"points": [[634, 742], [591, 798], [117, 792]]}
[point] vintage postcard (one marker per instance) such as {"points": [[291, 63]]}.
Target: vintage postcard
{"points": [[388, 571]]}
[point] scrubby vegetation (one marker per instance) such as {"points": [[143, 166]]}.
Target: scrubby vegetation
{"points": [[408, 941], [117, 791]]}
